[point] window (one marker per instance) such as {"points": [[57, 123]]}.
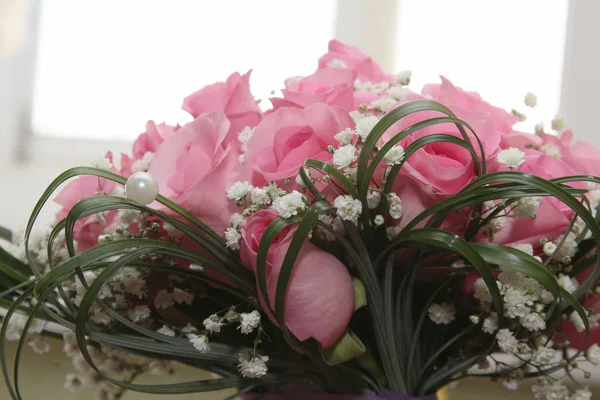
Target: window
{"points": [[105, 67], [501, 49]]}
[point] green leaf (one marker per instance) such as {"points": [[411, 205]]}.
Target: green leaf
{"points": [[452, 243], [360, 295], [518, 261], [345, 349]]}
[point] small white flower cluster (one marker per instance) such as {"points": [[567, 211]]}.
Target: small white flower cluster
{"points": [[143, 163], [254, 199], [548, 389], [165, 298], [290, 204], [243, 137], [443, 313], [527, 207], [348, 208], [395, 205], [524, 300], [113, 362], [200, 342], [253, 366], [511, 157]]}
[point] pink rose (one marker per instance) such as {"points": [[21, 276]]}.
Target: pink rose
{"points": [[445, 167], [553, 216], [341, 55], [152, 138], [87, 229], [333, 86], [289, 136], [233, 97], [196, 166], [452, 96], [320, 297], [581, 155]]}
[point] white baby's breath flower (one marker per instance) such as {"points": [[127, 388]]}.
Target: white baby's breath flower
{"points": [[39, 344], [593, 354], [200, 342], [442, 313], [365, 126], [373, 199], [395, 204], [236, 220], [73, 383], [239, 190], [527, 207], [474, 319], [249, 321], [213, 324], [383, 103], [336, 63], [394, 156], [398, 92], [530, 100], [543, 356], [348, 208], [344, 137], [259, 196], [546, 297], [494, 226], [232, 238], [490, 324], [550, 149], [253, 366], [143, 163], [196, 267], [299, 180], [568, 248], [581, 394], [102, 163], [507, 342], [165, 330], [189, 328], [392, 232], [344, 156], [550, 391], [510, 384], [128, 216], [511, 157], [559, 123], [403, 77], [533, 322], [356, 115], [139, 313], [568, 283], [524, 247], [577, 321], [481, 291], [245, 134], [289, 205], [378, 220], [549, 248]]}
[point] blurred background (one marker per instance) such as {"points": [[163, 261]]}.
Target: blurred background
{"points": [[78, 77]]}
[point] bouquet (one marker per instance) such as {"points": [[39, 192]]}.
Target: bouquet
{"points": [[356, 240]]}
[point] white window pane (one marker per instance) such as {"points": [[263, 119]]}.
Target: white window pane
{"points": [[501, 49], [105, 67]]}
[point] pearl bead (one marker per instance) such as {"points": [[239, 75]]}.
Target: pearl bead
{"points": [[142, 188]]}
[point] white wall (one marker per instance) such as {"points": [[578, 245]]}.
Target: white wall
{"points": [[581, 78]]}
